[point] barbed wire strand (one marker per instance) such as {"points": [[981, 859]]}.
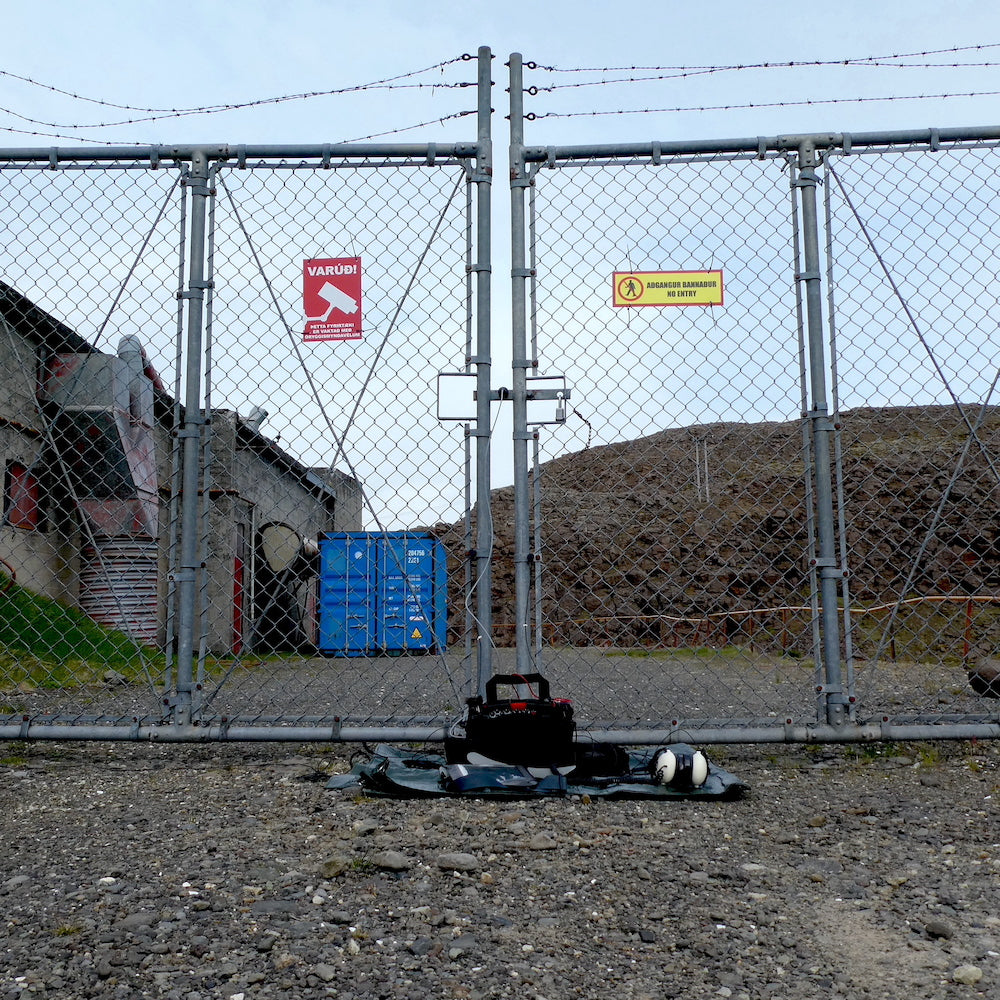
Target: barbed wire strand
{"points": [[218, 109], [211, 108], [771, 64], [142, 145], [688, 74], [536, 116]]}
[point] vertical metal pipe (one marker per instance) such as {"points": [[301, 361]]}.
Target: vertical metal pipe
{"points": [[173, 510], [519, 182], [838, 453], [190, 434], [827, 563], [536, 520], [484, 514]]}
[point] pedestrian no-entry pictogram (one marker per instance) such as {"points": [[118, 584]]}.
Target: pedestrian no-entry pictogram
{"points": [[667, 288], [331, 299]]}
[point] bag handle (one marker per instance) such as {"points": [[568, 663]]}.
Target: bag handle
{"points": [[516, 679]]}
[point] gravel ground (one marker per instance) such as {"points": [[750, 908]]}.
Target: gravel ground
{"points": [[230, 871]]}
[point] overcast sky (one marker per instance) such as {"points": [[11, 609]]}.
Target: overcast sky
{"points": [[125, 56], [184, 54]]}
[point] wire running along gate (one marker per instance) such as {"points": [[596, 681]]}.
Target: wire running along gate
{"points": [[767, 519]]}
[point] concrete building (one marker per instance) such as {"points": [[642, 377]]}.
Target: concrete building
{"points": [[90, 513]]}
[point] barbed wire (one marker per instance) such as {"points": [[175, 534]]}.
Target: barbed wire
{"points": [[781, 64], [234, 107], [215, 108], [537, 116], [108, 142]]}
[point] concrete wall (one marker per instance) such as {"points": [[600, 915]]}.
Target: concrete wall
{"points": [[252, 483]]}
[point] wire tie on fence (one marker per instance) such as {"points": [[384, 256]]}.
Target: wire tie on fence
{"points": [[845, 142], [935, 143], [25, 725]]}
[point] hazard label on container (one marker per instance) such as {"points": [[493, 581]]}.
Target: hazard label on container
{"points": [[331, 299], [416, 634], [667, 288]]}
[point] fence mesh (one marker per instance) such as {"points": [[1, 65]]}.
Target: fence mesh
{"points": [[683, 518], [679, 511], [303, 448]]}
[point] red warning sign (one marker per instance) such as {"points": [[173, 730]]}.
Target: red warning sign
{"points": [[331, 299]]}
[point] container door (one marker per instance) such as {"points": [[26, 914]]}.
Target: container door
{"points": [[406, 591], [347, 594]]}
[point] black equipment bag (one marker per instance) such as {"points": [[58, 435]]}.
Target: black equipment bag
{"points": [[534, 732]]}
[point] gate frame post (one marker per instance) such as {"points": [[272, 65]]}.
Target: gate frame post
{"points": [[826, 563], [520, 362], [483, 177], [195, 422]]}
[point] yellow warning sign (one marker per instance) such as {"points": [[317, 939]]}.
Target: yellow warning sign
{"points": [[416, 634], [667, 288]]}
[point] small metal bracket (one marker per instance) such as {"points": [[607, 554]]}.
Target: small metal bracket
{"points": [[935, 143], [657, 154], [542, 394], [431, 153], [522, 272], [845, 142], [807, 275]]}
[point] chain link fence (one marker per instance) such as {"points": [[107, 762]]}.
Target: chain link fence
{"points": [[252, 438], [223, 443], [770, 517]]}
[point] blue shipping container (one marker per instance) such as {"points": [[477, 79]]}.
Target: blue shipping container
{"points": [[382, 593]]}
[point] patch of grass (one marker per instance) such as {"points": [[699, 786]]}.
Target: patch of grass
{"points": [[67, 930], [928, 755], [46, 645]]}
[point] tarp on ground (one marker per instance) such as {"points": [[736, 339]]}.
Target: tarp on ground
{"points": [[399, 773]]}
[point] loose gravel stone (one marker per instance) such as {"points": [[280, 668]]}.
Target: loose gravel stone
{"points": [[224, 872], [458, 861]]}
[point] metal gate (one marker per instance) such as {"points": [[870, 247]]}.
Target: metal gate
{"points": [[753, 472], [768, 518]]}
